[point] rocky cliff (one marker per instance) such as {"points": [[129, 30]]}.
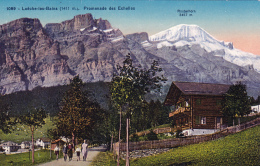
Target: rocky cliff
{"points": [[32, 55], [29, 57]]}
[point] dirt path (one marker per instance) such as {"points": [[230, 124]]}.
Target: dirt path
{"points": [[92, 153]]}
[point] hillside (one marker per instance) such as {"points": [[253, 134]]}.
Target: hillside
{"points": [[50, 97], [238, 149]]}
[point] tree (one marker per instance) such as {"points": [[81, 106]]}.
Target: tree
{"points": [[4, 119], [236, 101], [100, 132], [140, 118], [7, 124], [128, 89], [53, 134], [33, 119], [149, 115], [77, 113]]}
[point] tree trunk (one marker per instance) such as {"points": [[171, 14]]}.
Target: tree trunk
{"points": [[111, 146], [76, 144], [50, 149], [32, 146], [73, 139], [118, 156], [127, 142]]}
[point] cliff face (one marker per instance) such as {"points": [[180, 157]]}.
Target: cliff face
{"points": [[29, 57], [88, 45], [78, 24], [32, 55]]}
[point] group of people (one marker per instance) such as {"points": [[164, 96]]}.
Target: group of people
{"points": [[68, 151]]}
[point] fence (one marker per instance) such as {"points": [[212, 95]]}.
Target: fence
{"points": [[175, 142]]}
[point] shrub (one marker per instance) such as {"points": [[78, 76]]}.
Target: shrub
{"points": [[134, 138], [151, 135]]}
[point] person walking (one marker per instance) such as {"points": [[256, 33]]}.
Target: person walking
{"points": [[78, 153], [84, 149], [70, 152], [65, 151], [56, 151]]}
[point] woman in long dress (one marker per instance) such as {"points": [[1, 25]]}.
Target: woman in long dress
{"points": [[65, 152], [70, 152], [56, 151], [84, 149]]}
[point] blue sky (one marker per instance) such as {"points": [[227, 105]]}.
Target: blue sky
{"points": [[225, 20]]}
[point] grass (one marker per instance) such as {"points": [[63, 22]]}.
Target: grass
{"points": [[23, 133], [159, 136], [242, 148], [105, 158], [160, 126], [21, 159]]}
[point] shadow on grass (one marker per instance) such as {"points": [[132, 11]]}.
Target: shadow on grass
{"points": [[182, 164]]}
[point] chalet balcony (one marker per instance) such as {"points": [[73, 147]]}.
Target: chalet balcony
{"points": [[184, 110]]}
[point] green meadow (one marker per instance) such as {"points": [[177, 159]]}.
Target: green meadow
{"points": [[23, 133], [22, 159], [242, 148]]}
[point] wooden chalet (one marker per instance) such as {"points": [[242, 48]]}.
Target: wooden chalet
{"points": [[197, 106]]}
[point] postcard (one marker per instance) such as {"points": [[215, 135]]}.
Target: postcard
{"points": [[193, 51]]}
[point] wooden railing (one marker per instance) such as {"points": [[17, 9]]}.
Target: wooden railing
{"points": [[171, 143], [180, 110]]}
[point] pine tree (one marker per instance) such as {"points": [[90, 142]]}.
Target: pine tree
{"points": [[77, 113], [5, 120], [236, 101]]}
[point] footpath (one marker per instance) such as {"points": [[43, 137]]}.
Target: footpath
{"points": [[92, 153]]}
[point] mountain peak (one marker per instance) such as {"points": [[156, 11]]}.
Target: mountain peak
{"points": [[187, 25], [184, 32], [25, 23]]}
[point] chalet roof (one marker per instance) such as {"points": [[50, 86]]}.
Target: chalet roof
{"points": [[45, 139], [57, 141], [9, 143], [193, 88]]}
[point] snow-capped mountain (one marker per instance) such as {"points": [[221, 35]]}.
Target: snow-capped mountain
{"points": [[182, 35], [35, 56]]}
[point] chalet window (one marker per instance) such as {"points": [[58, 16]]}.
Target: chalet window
{"points": [[203, 120], [200, 120], [198, 101]]}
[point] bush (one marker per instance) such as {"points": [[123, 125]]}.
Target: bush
{"points": [[134, 138], [165, 136], [152, 136]]}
